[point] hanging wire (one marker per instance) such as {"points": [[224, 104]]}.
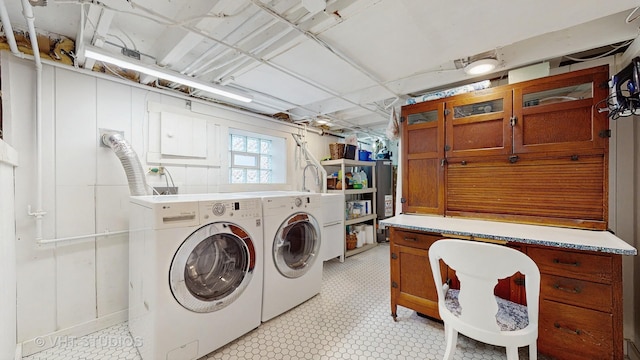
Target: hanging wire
{"points": [[629, 107], [170, 177], [629, 17], [615, 48]]}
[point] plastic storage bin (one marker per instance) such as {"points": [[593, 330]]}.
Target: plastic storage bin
{"points": [[350, 151]]}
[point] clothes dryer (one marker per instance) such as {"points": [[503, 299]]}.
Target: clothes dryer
{"points": [[292, 251], [196, 273]]}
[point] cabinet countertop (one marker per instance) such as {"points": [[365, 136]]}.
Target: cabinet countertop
{"points": [[578, 239]]}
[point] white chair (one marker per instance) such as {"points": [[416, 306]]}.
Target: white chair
{"points": [[474, 310]]}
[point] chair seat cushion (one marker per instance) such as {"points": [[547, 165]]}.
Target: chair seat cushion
{"points": [[510, 317]]}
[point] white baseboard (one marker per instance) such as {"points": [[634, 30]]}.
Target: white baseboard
{"points": [[632, 350], [47, 341]]}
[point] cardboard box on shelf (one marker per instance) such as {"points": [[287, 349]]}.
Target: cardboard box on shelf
{"points": [[358, 208]]}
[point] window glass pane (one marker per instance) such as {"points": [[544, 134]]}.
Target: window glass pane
{"points": [[252, 176], [252, 158], [244, 160], [265, 162], [568, 93], [423, 117], [237, 176], [484, 107], [265, 176], [265, 147], [252, 145], [238, 143]]}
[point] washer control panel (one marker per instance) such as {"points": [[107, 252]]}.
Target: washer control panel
{"points": [[229, 209], [170, 215]]}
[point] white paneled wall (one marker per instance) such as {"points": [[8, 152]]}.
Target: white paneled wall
{"points": [[75, 161], [74, 286], [8, 159], [35, 275]]}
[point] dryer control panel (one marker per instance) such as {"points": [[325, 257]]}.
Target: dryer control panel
{"points": [[294, 202]]}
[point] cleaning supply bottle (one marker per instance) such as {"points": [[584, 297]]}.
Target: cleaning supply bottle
{"points": [[363, 178], [357, 180]]}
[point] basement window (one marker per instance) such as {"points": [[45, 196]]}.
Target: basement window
{"points": [[255, 158]]}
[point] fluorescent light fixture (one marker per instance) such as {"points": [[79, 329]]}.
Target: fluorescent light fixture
{"points": [[156, 71], [481, 66]]}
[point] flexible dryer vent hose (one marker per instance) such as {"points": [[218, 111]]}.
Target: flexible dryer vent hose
{"points": [[130, 162]]}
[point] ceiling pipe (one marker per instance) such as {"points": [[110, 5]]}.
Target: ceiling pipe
{"points": [[8, 31], [348, 126], [27, 11], [272, 40], [189, 69], [241, 51], [317, 40]]}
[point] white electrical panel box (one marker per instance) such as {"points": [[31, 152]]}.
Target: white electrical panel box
{"points": [[183, 136]]}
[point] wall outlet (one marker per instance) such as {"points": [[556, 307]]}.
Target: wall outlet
{"points": [[164, 190]]}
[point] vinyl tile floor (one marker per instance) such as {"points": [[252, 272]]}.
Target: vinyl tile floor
{"points": [[349, 319]]}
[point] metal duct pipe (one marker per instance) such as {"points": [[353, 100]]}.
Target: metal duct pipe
{"points": [[130, 162]]}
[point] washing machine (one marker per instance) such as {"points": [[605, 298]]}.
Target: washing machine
{"points": [[292, 250], [196, 273]]}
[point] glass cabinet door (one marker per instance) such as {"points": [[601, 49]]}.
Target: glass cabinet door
{"points": [[477, 124], [423, 158], [561, 115]]}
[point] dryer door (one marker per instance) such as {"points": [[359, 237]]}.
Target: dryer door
{"points": [[212, 267], [296, 245]]}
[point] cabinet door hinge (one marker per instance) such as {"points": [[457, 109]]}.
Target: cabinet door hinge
{"points": [[394, 284], [513, 120], [403, 200], [447, 112], [394, 256], [402, 119], [605, 133]]}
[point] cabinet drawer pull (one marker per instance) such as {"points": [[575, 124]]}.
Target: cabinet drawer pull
{"points": [[567, 330], [575, 290], [410, 239], [558, 261]]}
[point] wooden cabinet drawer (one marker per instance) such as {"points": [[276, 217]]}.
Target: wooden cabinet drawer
{"points": [[415, 239], [579, 265], [570, 332], [577, 292]]}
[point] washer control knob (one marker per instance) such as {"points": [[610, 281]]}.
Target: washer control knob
{"points": [[218, 209], [298, 202]]}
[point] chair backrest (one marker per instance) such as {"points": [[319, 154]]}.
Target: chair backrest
{"points": [[479, 266]]}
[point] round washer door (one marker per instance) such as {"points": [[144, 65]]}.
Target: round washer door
{"points": [[212, 267], [296, 245]]}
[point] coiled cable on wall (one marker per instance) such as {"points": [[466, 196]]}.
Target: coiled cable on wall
{"points": [[130, 162]]}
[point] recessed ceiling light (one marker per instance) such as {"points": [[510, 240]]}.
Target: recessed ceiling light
{"points": [[481, 66]]}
